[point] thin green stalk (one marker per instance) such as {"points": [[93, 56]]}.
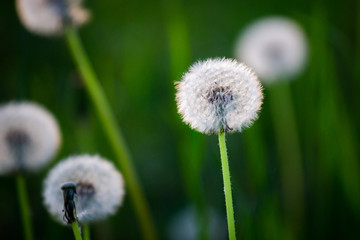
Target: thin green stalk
{"points": [[113, 132], [76, 231], [286, 133], [24, 207], [192, 143], [227, 186], [256, 154], [86, 232]]}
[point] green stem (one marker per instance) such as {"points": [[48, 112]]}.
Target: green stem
{"points": [[227, 186], [255, 151], [24, 207], [112, 131], [191, 148], [286, 134], [76, 231], [86, 232]]}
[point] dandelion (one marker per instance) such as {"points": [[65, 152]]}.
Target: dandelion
{"points": [[275, 47], [29, 137], [49, 17], [99, 189], [219, 96]]}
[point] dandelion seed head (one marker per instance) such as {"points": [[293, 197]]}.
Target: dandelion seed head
{"points": [[99, 188], [275, 47], [219, 94], [49, 17], [29, 137]]}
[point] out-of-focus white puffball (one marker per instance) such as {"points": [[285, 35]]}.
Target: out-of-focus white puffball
{"points": [[29, 137], [275, 48]]}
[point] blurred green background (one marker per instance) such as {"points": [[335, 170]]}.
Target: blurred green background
{"points": [[138, 50]]}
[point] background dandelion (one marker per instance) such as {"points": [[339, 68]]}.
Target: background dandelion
{"points": [[48, 17], [29, 139], [128, 44], [275, 47]]}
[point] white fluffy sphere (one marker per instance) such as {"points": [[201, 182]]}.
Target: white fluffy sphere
{"points": [[48, 17], [29, 137], [275, 47], [99, 186], [219, 94]]}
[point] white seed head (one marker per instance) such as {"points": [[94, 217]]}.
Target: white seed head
{"points": [[219, 94], [99, 187], [275, 47], [48, 17], [29, 137]]}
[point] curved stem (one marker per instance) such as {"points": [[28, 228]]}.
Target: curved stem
{"points": [[112, 131], [24, 206], [227, 186], [76, 231]]}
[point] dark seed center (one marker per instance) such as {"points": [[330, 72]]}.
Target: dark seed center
{"points": [[219, 94], [274, 52], [62, 8], [17, 139], [85, 189], [220, 97]]}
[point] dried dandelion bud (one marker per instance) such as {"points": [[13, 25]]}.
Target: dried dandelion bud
{"points": [[219, 94], [69, 191], [99, 188], [29, 137], [49, 17], [275, 47]]}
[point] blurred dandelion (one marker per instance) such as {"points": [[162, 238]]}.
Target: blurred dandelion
{"points": [[275, 47], [29, 138], [219, 96], [49, 17], [99, 188]]}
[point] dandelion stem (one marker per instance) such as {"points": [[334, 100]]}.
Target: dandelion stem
{"points": [[112, 131], [227, 186], [24, 206], [86, 232], [76, 231], [192, 143], [288, 145]]}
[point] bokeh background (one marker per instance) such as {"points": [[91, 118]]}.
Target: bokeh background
{"points": [[139, 49]]}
